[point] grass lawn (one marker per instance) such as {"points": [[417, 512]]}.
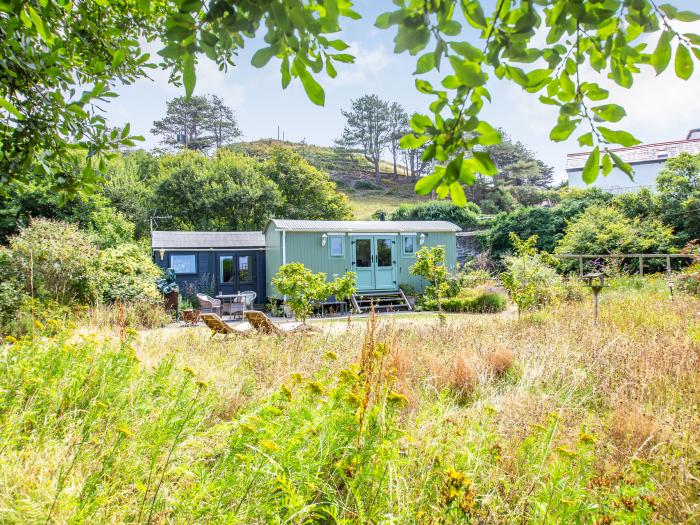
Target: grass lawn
{"points": [[404, 419]]}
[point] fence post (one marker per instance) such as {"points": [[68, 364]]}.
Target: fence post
{"points": [[641, 266], [668, 264], [580, 265]]}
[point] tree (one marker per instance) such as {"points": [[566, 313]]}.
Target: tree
{"points": [[398, 127], [185, 124], [604, 229], [678, 186], [221, 122], [227, 192], [306, 193], [368, 128], [430, 265], [58, 62]]}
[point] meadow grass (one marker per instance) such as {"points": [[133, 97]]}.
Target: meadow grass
{"points": [[462, 419]]}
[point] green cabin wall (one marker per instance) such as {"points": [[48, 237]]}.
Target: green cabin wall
{"points": [[305, 247]]}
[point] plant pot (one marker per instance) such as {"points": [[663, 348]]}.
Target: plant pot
{"points": [[170, 301], [191, 316], [411, 301]]}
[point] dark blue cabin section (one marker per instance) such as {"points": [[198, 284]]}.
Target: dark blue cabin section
{"points": [[213, 262]]}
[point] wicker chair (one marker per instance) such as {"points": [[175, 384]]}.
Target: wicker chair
{"points": [[209, 304], [242, 303]]}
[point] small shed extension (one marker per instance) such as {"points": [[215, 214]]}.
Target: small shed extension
{"points": [[214, 262]]}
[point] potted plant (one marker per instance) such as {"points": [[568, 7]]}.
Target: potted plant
{"points": [[168, 287]]}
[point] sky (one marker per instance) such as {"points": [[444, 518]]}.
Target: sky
{"points": [[658, 108]]}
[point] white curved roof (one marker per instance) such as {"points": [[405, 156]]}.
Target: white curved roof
{"points": [[364, 226]]}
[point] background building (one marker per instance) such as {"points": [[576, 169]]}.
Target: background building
{"points": [[647, 160]]}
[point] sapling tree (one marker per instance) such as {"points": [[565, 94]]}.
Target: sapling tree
{"points": [[430, 265], [529, 276], [302, 288]]}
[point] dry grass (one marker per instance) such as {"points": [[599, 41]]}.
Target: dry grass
{"points": [[633, 381]]}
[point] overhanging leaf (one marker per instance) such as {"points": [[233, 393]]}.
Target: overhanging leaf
{"points": [[592, 166]]}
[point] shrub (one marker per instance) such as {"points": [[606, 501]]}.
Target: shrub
{"points": [[529, 277], [689, 280], [302, 288], [127, 273], [605, 229], [477, 301], [55, 260], [366, 185], [466, 217]]}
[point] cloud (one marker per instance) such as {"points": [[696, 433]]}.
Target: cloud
{"points": [[369, 63]]}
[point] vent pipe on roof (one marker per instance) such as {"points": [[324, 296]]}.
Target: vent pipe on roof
{"points": [[382, 216]]}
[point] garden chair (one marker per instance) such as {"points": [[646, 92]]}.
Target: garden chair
{"points": [[209, 304], [218, 326], [263, 324]]}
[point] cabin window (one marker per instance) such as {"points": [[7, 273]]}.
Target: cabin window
{"points": [[183, 264], [409, 245], [245, 268], [336, 245]]}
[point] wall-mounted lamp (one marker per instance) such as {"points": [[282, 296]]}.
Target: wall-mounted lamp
{"points": [[324, 239], [421, 239], [162, 253]]}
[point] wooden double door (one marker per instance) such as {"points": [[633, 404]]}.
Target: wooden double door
{"points": [[374, 262]]}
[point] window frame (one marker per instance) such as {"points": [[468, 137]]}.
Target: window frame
{"points": [[196, 263], [330, 245], [413, 236]]}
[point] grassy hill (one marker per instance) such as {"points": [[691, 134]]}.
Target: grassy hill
{"points": [[353, 174]]}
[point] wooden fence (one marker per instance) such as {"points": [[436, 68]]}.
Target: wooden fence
{"points": [[639, 256]]}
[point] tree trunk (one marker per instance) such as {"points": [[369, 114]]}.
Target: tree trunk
{"points": [[377, 177]]}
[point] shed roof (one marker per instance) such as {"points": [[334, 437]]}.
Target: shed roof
{"points": [[365, 226], [180, 240]]}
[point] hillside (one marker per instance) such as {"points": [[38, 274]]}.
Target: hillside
{"points": [[353, 174]]}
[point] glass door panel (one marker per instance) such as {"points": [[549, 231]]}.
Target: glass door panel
{"points": [[362, 262]]}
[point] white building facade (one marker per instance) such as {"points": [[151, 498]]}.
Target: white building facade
{"points": [[647, 161]]}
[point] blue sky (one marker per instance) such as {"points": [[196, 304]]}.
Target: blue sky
{"points": [[659, 108]]}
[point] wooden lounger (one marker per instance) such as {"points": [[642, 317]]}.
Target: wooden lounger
{"points": [[263, 324], [218, 326]]}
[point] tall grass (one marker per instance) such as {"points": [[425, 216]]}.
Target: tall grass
{"points": [[545, 419]]}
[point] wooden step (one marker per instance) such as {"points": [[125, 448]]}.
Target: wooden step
{"points": [[393, 300]]}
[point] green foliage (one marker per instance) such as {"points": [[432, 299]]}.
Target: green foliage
{"points": [[306, 192], [689, 280], [475, 301], [128, 273], [366, 185], [529, 277], [51, 48], [58, 63], [302, 288], [225, 193], [57, 261], [110, 228], [548, 224], [678, 187], [430, 265], [466, 217], [604, 229]]}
